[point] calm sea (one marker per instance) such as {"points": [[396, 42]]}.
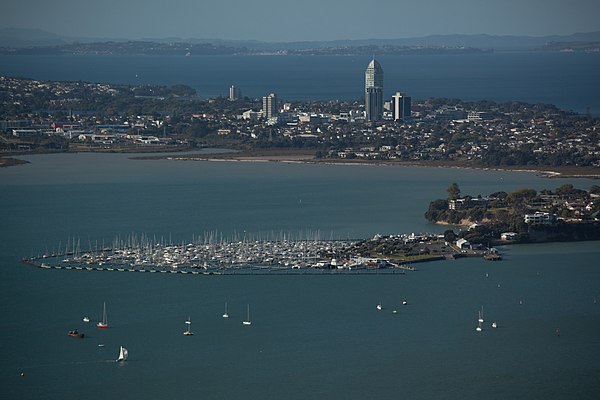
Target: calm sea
{"points": [[569, 80], [312, 337]]}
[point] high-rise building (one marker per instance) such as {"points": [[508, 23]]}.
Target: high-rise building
{"points": [[234, 93], [401, 107], [270, 106], [374, 91]]}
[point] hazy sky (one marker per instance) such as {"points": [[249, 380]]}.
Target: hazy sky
{"points": [[286, 20]]}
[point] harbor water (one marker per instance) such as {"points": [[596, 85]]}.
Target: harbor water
{"points": [[312, 336], [568, 80]]}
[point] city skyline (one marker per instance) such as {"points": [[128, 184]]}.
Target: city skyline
{"points": [[286, 21]]}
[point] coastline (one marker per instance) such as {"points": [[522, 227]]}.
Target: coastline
{"points": [[293, 155], [11, 162], [308, 157]]}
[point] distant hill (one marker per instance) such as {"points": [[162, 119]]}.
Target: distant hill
{"points": [[35, 37], [10, 37]]}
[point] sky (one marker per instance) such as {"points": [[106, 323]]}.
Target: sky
{"points": [[298, 20]]}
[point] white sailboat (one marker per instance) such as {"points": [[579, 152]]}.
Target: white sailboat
{"points": [[123, 354], [104, 323], [479, 322], [225, 315], [188, 332], [247, 321]]}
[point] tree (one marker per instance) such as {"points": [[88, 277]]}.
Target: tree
{"points": [[436, 211], [453, 191], [449, 236]]}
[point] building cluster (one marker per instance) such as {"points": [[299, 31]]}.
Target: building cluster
{"points": [[544, 208], [373, 129]]}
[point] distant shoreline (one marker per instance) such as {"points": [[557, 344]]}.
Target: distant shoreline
{"points": [[302, 156], [307, 157]]}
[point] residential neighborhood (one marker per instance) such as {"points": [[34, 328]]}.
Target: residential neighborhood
{"points": [[40, 116]]}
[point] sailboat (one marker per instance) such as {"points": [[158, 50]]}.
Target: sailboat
{"points": [[123, 354], [188, 332], [104, 323], [247, 321], [226, 315], [479, 322]]}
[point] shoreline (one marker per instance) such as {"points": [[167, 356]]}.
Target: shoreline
{"points": [[292, 156], [6, 162], [302, 156]]}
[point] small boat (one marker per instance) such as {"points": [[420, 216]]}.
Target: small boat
{"points": [[378, 306], [104, 323], [479, 322], [395, 312], [123, 354], [76, 334], [404, 302], [247, 321], [494, 324], [225, 315], [86, 319], [481, 315], [188, 332]]}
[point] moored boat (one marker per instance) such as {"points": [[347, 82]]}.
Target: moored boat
{"points": [[226, 314], [247, 321], [76, 334], [104, 323], [188, 331]]}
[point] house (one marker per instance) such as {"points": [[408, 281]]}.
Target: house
{"points": [[463, 244], [540, 218], [508, 236]]}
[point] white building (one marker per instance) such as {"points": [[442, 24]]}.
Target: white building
{"points": [[540, 218]]}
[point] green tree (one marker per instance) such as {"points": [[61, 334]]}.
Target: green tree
{"points": [[453, 191]]}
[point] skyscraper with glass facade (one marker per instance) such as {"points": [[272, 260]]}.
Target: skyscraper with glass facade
{"points": [[374, 91]]}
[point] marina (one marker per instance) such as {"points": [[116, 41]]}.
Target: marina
{"points": [[221, 258], [315, 332]]}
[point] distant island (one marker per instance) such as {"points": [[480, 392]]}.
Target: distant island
{"points": [[522, 216], [189, 49], [21, 41]]}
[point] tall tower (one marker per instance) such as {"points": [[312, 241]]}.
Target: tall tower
{"points": [[234, 93], [401, 106], [374, 91], [270, 105]]}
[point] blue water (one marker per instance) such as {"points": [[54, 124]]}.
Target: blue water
{"points": [[569, 80], [312, 337]]}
